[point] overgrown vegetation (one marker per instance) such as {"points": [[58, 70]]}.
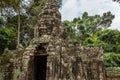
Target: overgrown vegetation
{"points": [[9, 55], [112, 59]]}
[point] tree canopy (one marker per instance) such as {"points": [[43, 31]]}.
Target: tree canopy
{"points": [[81, 28]]}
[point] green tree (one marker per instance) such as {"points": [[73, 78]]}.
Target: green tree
{"points": [[2, 22], [86, 26], [70, 31], [16, 5], [111, 59], [7, 39], [112, 38], [109, 40]]}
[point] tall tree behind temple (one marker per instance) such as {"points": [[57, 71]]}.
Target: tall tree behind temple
{"points": [[16, 5], [81, 28]]}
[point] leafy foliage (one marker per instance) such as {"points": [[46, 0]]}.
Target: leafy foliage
{"points": [[111, 59], [9, 55], [1, 22], [81, 28], [7, 39], [108, 39], [26, 30]]}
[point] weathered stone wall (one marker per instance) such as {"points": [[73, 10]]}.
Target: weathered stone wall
{"points": [[73, 63], [10, 65], [113, 78], [113, 73], [64, 62]]}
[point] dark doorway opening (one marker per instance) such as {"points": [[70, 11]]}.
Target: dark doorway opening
{"points": [[40, 67]]}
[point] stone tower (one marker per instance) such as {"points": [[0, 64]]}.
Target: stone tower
{"points": [[49, 21], [46, 44]]}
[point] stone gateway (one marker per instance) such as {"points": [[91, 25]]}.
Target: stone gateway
{"points": [[50, 57]]}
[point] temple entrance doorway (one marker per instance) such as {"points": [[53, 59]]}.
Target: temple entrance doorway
{"points": [[40, 67]]}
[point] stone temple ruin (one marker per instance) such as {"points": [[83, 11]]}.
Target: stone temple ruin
{"points": [[50, 57]]}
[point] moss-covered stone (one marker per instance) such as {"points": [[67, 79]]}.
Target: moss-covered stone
{"points": [[9, 55]]}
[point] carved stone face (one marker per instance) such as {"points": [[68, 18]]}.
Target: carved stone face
{"points": [[42, 31], [49, 21]]}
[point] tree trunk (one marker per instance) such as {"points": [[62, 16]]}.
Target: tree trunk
{"points": [[18, 38]]}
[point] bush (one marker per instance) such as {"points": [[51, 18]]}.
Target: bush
{"points": [[112, 59]]}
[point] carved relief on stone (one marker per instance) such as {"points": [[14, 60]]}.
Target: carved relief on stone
{"points": [[49, 21]]}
